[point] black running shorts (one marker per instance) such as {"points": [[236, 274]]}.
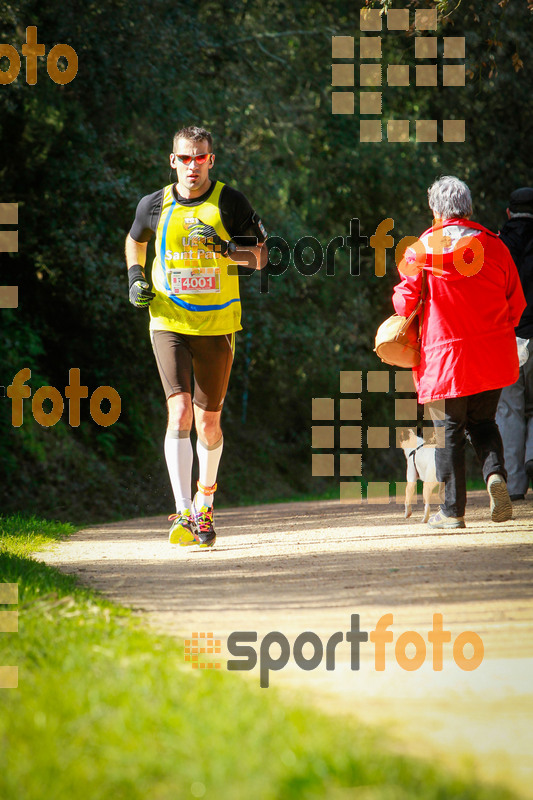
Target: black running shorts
{"points": [[178, 355]]}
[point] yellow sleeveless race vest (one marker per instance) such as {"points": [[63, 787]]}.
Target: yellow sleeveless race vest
{"points": [[194, 293]]}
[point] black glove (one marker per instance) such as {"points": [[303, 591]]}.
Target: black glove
{"points": [[210, 238], [140, 294]]}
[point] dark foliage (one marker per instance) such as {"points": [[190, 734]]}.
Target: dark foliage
{"points": [[78, 157]]}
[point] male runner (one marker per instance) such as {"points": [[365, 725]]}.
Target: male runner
{"points": [[195, 311]]}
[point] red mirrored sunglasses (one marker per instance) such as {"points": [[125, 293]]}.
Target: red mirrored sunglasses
{"points": [[199, 159]]}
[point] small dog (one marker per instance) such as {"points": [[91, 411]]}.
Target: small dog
{"points": [[420, 457]]}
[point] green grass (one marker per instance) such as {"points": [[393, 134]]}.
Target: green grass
{"points": [[106, 709]]}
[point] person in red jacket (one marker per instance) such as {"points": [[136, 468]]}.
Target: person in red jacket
{"points": [[473, 301]]}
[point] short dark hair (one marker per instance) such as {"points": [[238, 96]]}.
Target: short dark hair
{"points": [[193, 134]]}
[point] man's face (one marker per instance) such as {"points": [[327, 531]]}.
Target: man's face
{"points": [[193, 178]]}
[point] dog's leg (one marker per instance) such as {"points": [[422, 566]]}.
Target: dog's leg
{"points": [[426, 492], [410, 491], [429, 487]]}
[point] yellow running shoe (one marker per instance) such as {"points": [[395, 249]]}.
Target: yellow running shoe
{"points": [[183, 530]]}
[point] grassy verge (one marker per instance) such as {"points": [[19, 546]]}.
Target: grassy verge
{"points": [[106, 709]]}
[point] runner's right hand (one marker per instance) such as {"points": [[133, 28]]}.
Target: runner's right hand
{"points": [[140, 294]]}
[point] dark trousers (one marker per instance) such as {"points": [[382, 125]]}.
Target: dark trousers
{"points": [[475, 415]]}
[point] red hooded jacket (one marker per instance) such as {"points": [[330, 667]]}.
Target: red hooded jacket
{"points": [[473, 301]]}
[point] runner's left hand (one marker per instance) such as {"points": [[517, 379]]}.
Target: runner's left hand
{"points": [[212, 240]]}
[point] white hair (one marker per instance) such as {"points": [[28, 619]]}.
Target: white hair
{"points": [[449, 197]]}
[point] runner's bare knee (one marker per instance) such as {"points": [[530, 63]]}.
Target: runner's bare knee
{"points": [[208, 425], [180, 416]]}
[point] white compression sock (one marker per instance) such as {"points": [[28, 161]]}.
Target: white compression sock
{"points": [[179, 455], [208, 460]]}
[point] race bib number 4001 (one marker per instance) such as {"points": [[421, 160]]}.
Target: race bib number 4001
{"points": [[195, 281]]}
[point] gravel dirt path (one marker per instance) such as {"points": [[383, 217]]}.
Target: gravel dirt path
{"points": [[298, 567]]}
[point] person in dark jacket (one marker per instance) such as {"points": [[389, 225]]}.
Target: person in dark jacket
{"points": [[515, 408]]}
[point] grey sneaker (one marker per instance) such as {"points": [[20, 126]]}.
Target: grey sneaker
{"points": [[438, 520], [501, 508]]}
